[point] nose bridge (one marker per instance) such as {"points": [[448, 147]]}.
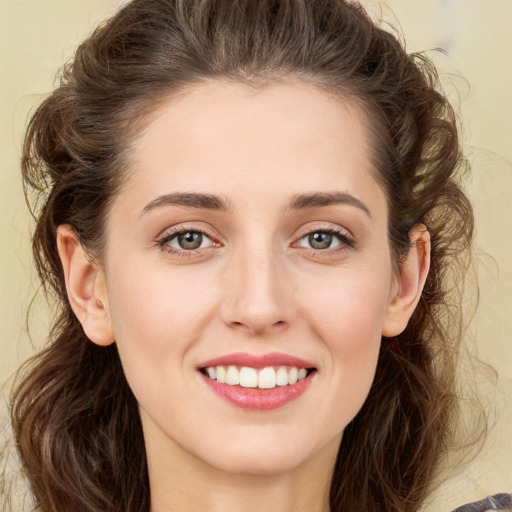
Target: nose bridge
{"points": [[256, 293]]}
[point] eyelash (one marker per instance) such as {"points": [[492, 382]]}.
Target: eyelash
{"points": [[345, 241]]}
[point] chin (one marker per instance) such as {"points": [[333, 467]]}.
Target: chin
{"points": [[271, 457], [258, 465]]}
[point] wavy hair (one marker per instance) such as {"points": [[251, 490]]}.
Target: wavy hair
{"points": [[75, 419]]}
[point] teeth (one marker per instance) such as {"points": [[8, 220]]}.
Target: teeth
{"points": [[265, 378], [282, 376], [248, 377], [232, 376], [221, 374]]}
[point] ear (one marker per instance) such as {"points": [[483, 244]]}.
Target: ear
{"points": [[410, 281], [85, 286]]}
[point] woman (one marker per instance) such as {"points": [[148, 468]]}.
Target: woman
{"points": [[251, 216]]}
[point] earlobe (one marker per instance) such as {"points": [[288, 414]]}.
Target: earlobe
{"points": [[411, 278], [85, 286]]}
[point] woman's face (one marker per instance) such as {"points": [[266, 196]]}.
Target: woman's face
{"points": [[249, 234]]}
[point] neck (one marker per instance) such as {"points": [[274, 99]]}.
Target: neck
{"points": [[199, 486]]}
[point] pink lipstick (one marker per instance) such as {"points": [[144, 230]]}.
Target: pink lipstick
{"points": [[258, 361], [258, 382]]}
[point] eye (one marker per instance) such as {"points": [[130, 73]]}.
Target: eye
{"points": [[321, 240], [187, 240]]}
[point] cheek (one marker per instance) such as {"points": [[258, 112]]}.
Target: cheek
{"points": [[348, 320], [354, 337], [157, 316], [349, 305], [354, 354]]}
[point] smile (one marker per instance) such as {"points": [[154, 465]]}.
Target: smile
{"points": [[258, 382], [264, 378]]}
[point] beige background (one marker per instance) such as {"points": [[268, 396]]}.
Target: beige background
{"points": [[37, 36]]}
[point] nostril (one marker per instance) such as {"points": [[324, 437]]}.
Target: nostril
{"points": [[258, 327]]}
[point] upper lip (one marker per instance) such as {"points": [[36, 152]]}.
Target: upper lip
{"points": [[257, 361]]}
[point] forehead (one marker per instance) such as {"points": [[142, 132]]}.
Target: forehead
{"points": [[230, 138]]}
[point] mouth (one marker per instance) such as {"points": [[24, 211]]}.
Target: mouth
{"points": [[268, 377], [258, 382]]}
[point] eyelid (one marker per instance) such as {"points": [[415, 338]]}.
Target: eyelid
{"points": [[312, 227]]}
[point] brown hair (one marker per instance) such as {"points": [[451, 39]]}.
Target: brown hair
{"points": [[75, 420]]}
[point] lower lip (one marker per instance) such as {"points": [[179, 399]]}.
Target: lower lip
{"points": [[259, 399]]}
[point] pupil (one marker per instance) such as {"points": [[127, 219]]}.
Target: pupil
{"points": [[190, 240], [320, 240]]}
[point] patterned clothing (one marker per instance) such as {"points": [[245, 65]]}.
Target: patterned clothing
{"points": [[501, 502]]}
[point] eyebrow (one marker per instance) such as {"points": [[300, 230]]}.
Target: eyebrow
{"points": [[318, 199], [191, 199], [213, 202]]}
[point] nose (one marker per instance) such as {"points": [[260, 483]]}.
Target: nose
{"points": [[257, 296]]}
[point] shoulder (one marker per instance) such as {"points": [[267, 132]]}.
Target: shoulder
{"points": [[501, 502]]}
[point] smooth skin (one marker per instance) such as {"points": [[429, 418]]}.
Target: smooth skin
{"points": [[250, 221]]}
